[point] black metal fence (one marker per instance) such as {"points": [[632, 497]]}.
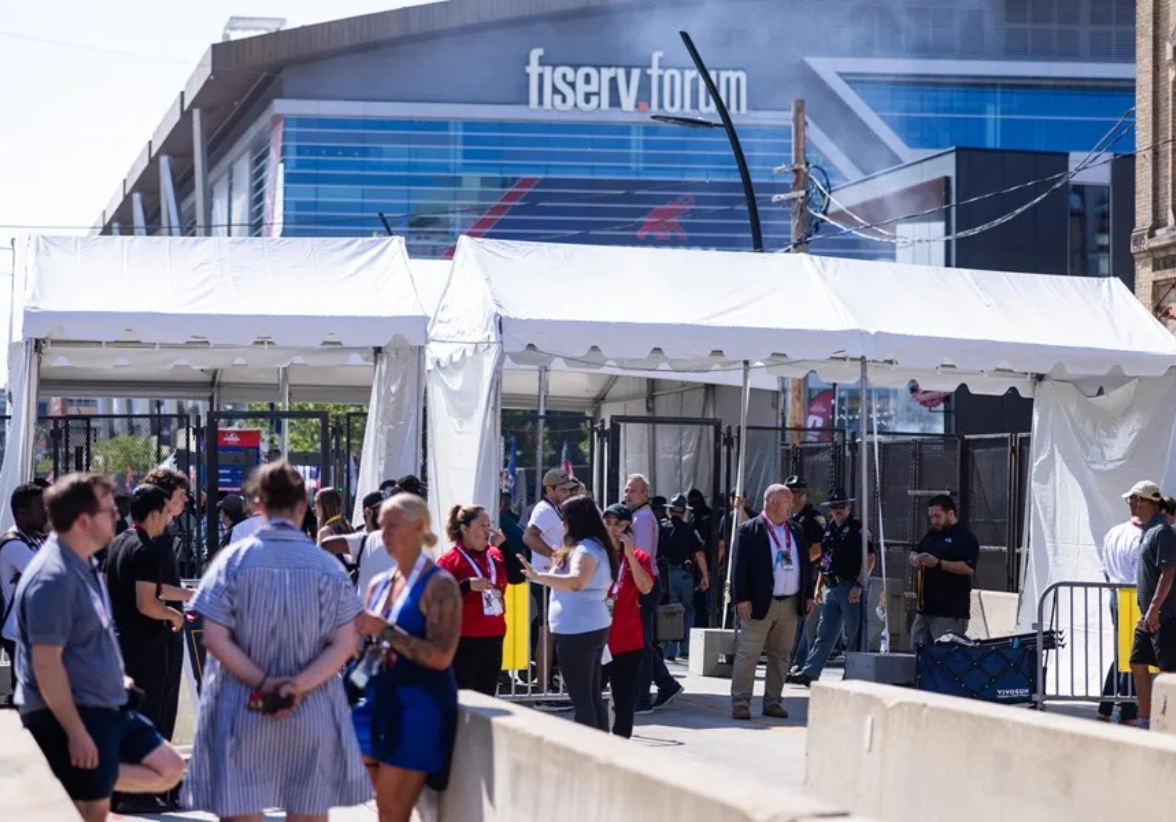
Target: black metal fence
{"points": [[986, 475]]}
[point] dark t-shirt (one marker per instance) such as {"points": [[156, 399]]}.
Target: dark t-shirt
{"points": [[811, 523], [1157, 550], [841, 550], [941, 593], [678, 542], [135, 558]]}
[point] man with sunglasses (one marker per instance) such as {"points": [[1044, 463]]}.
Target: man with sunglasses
{"points": [[840, 566]]}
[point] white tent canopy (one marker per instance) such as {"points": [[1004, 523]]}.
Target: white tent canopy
{"points": [[155, 316], [701, 310]]}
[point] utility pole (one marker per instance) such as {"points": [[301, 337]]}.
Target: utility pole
{"points": [[797, 411]]}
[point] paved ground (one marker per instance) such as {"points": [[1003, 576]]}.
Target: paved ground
{"points": [[697, 725]]}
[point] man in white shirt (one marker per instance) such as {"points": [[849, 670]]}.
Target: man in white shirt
{"points": [[17, 549], [544, 534], [256, 520], [1119, 557], [365, 549]]}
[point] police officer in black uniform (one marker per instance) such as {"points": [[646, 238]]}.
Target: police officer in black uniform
{"points": [[685, 554], [841, 574], [813, 526]]}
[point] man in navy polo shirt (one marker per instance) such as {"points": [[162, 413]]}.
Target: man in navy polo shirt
{"points": [[945, 563], [71, 688]]}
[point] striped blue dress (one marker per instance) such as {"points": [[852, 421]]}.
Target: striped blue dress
{"points": [[282, 597]]}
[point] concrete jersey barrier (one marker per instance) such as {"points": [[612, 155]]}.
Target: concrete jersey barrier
{"points": [[513, 764], [29, 792], [922, 756]]}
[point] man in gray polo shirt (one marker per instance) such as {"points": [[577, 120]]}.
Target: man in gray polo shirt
{"points": [[71, 689]]}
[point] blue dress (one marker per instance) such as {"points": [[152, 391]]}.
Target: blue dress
{"points": [[407, 717]]}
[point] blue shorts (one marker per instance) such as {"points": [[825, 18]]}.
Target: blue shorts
{"points": [[120, 736]]}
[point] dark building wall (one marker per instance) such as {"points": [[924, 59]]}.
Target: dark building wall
{"points": [[1123, 219], [1034, 242]]}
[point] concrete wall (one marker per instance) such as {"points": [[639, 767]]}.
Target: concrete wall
{"points": [[516, 765], [1163, 712], [920, 756], [28, 790]]}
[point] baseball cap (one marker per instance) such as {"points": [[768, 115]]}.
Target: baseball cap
{"points": [[233, 505], [558, 478], [375, 499], [620, 511], [1145, 489]]}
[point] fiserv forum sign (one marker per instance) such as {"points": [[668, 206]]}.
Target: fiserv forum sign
{"points": [[653, 90]]}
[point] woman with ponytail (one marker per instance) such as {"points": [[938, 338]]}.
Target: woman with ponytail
{"points": [[407, 718], [480, 569]]}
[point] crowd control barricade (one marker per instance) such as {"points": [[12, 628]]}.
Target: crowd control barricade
{"points": [[1095, 623]]}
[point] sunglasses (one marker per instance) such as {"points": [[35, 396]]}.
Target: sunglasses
{"points": [[839, 506]]}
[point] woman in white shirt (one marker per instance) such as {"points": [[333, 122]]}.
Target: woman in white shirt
{"points": [[582, 572]]}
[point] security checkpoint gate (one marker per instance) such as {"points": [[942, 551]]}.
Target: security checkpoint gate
{"points": [[817, 455], [230, 457], [693, 462]]}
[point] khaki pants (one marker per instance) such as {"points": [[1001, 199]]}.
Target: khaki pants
{"points": [[775, 634]]}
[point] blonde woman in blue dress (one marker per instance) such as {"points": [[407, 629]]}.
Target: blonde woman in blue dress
{"points": [[279, 619], [407, 718]]}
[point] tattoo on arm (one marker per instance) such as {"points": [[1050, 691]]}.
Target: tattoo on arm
{"points": [[441, 605]]}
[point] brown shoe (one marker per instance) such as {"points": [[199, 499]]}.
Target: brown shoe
{"points": [[743, 714], [775, 712]]}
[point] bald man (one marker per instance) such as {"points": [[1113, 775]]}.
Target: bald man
{"points": [[773, 591]]}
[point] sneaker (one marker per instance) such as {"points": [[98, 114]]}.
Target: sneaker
{"points": [[664, 698], [553, 707]]}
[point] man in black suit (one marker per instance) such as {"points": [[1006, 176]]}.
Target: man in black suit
{"points": [[773, 591]]}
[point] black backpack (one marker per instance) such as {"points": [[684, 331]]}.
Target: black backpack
{"points": [[11, 536]]}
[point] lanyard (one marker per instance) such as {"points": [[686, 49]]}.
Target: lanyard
{"points": [[335, 518], [474, 565], [786, 550], [392, 614]]}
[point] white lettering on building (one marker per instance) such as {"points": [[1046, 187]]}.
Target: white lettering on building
{"points": [[655, 90]]}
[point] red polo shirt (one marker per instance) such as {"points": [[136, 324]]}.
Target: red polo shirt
{"points": [[474, 622], [626, 634]]}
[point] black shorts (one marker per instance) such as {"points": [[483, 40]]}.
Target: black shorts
{"points": [[1157, 649], [120, 736]]}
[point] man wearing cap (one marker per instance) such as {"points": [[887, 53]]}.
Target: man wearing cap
{"points": [[684, 552], [1154, 644], [544, 534], [813, 526], [840, 566], [945, 563], [773, 591], [365, 549]]}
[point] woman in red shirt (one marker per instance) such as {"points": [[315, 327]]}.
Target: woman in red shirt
{"points": [[480, 570], [626, 641]]}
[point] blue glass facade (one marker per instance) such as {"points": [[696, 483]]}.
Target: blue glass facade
{"points": [[936, 115], [435, 180]]}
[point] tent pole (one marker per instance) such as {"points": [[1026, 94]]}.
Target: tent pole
{"points": [[742, 464], [540, 440], [284, 399], [864, 459]]}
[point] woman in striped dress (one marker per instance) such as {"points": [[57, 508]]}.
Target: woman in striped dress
{"points": [[279, 618]]}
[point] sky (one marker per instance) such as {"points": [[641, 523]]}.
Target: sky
{"points": [[83, 86]]}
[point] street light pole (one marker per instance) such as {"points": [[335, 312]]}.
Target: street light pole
{"points": [[757, 236]]}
